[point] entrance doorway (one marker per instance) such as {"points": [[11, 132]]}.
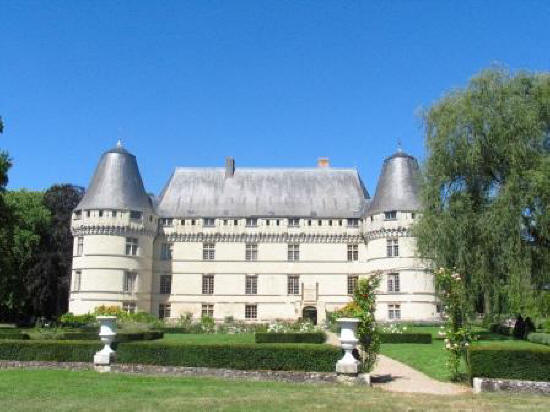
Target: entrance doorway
{"points": [[310, 313]]}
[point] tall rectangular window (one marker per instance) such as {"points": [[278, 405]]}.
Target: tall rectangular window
{"points": [[251, 251], [207, 284], [207, 310], [250, 311], [293, 252], [392, 247], [251, 285], [77, 278], [130, 280], [251, 222], [135, 215], [293, 222], [131, 246], [353, 222], [391, 215], [293, 285], [353, 253], [80, 246], [165, 284], [208, 222], [394, 311], [208, 251], [352, 283], [129, 307], [166, 251], [165, 310], [393, 282]]}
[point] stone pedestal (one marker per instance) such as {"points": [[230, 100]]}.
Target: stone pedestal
{"points": [[107, 333], [348, 365]]}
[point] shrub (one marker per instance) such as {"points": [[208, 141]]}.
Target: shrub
{"points": [[406, 337], [542, 338], [302, 357], [75, 321], [509, 362], [501, 329], [60, 351], [312, 337], [15, 334]]}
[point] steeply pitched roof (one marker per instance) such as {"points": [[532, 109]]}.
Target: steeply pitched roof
{"points": [[317, 192], [116, 184], [398, 185]]}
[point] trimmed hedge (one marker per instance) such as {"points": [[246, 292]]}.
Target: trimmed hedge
{"points": [[508, 362], [406, 338], [542, 338], [503, 330], [49, 350], [299, 357], [14, 335], [120, 337], [290, 337]]}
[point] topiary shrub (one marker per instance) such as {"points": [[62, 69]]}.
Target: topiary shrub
{"points": [[406, 338], [290, 337], [509, 362]]}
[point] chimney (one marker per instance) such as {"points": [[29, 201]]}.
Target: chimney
{"points": [[229, 166], [323, 162]]}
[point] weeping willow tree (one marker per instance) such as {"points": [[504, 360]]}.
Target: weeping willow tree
{"points": [[486, 189]]}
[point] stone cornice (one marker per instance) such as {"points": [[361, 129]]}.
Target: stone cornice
{"points": [[264, 237], [112, 230], [385, 233]]}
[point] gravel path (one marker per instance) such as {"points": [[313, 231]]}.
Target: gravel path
{"points": [[395, 376]]}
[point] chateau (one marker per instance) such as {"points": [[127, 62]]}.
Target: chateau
{"points": [[254, 244]]}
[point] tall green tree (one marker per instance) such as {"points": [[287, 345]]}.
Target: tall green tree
{"points": [[486, 192]]}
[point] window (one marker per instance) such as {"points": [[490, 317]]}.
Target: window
{"points": [[413, 215], [250, 311], [165, 310], [101, 213], [278, 222], [372, 218], [320, 222], [330, 222], [135, 215], [129, 307], [166, 251], [352, 283], [391, 215], [309, 222], [207, 311], [235, 222], [77, 214], [393, 282], [165, 284], [208, 222], [251, 222], [353, 222], [208, 284], [392, 247], [129, 285], [80, 246], [193, 222], [267, 222], [77, 278], [353, 253], [182, 222], [293, 285], [394, 311], [131, 246], [339, 222], [208, 250], [251, 286], [113, 213], [293, 222], [87, 213], [251, 251], [293, 252], [166, 222], [225, 222]]}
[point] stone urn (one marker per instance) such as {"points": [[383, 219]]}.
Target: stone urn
{"points": [[107, 333], [348, 364]]}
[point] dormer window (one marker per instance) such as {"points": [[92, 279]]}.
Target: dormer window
{"points": [[87, 213], [166, 222], [77, 214], [208, 222], [135, 215], [251, 222], [101, 213], [293, 222], [353, 222], [390, 215]]}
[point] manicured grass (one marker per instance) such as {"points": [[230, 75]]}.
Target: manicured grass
{"points": [[208, 338], [24, 390]]}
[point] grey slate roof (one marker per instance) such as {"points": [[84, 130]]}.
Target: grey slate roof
{"points": [[316, 192], [116, 184], [398, 185]]}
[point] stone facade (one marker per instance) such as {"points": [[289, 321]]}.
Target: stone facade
{"points": [[249, 267]]}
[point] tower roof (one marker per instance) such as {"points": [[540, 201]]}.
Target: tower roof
{"points": [[116, 183], [398, 185]]}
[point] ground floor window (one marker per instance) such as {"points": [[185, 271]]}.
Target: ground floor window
{"points": [[165, 310], [293, 287], [394, 311], [77, 278], [207, 310], [251, 312], [129, 307]]}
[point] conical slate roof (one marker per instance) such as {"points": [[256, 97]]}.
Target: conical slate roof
{"points": [[398, 186], [116, 184]]}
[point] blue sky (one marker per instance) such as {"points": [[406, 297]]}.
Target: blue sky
{"points": [[273, 83]]}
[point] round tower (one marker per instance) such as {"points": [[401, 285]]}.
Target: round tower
{"points": [[113, 227], [407, 289]]}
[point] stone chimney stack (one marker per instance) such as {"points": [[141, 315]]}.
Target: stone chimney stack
{"points": [[323, 162], [229, 166]]}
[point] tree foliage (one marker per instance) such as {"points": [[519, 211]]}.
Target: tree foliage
{"points": [[486, 191]]}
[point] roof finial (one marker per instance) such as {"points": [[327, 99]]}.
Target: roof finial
{"points": [[399, 148], [119, 144]]}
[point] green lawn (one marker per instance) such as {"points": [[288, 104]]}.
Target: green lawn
{"points": [[39, 390], [431, 358], [208, 338]]}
